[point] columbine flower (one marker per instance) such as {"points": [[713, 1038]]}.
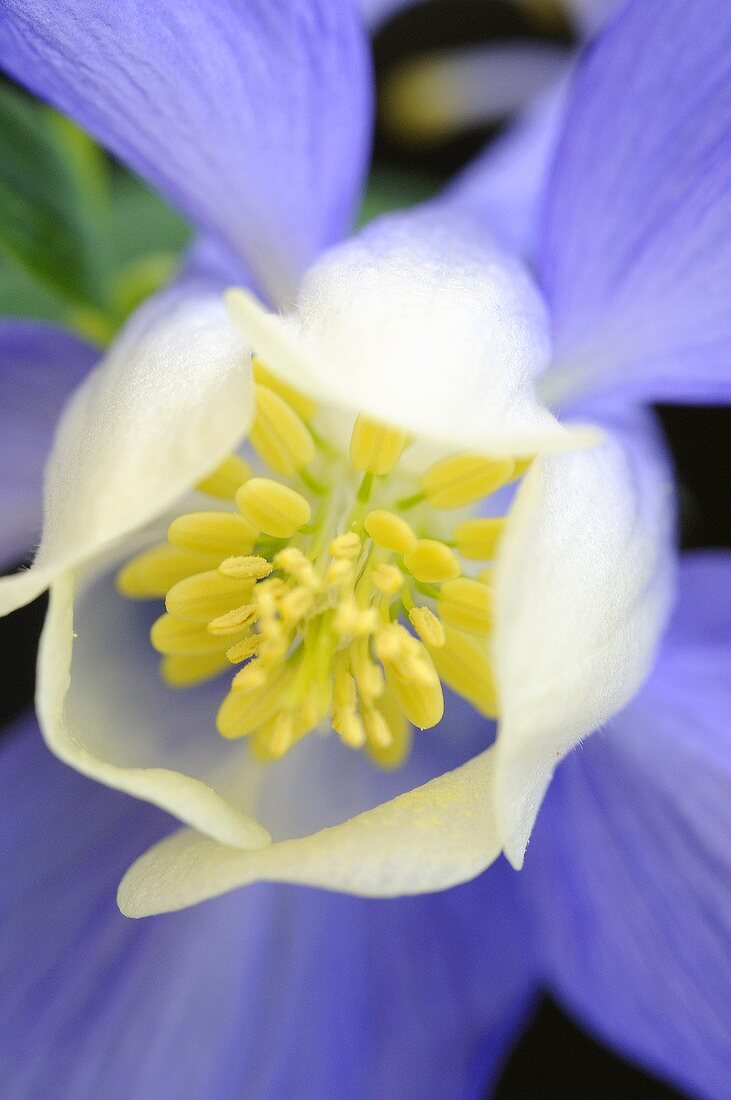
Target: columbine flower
{"points": [[407, 374]]}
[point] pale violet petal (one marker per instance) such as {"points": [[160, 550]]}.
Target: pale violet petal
{"points": [[583, 585], [169, 400], [427, 839], [423, 322]]}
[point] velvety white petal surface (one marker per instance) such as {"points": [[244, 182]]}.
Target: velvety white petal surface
{"points": [[168, 401], [583, 585], [427, 839], [422, 321]]}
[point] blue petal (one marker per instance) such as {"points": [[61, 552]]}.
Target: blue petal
{"points": [[253, 118], [635, 259], [629, 868], [39, 367], [271, 992]]}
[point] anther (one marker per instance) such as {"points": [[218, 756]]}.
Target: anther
{"points": [[467, 605], [390, 531], [278, 435], [346, 546], [233, 622], [220, 533], [387, 578], [243, 650], [477, 539], [154, 571], [205, 596], [226, 478], [465, 667], [272, 507], [304, 406], [464, 479], [427, 626], [432, 561], [251, 567], [374, 447]]}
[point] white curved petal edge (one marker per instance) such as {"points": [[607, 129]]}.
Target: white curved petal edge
{"points": [[169, 400], [424, 322], [428, 839], [583, 587], [188, 798]]}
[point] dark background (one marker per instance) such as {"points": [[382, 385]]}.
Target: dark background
{"points": [[555, 1058]]}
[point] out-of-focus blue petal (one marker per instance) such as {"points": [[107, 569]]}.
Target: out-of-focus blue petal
{"points": [[39, 367], [505, 185], [270, 992], [253, 118], [630, 867], [635, 259]]}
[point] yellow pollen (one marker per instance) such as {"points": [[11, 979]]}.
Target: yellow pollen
{"points": [[251, 567], [278, 435], [464, 479], [389, 531], [233, 622], [273, 508], [374, 447], [431, 561], [346, 546], [387, 578], [427, 626], [226, 478], [325, 605]]}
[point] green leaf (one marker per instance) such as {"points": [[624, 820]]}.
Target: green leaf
{"points": [[51, 197]]}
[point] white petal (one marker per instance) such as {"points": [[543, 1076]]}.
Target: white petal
{"points": [[169, 400], [422, 322], [428, 839], [583, 585], [96, 717]]}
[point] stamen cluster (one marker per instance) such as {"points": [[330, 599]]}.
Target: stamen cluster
{"points": [[339, 610]]}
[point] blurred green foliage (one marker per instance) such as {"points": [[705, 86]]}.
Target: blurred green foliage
{"points": [[82, 240]]}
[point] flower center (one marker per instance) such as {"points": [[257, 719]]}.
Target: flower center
{"points": [[339, 586]]}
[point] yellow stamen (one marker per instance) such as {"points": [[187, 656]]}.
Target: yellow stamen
{"points": [[387, 578], [175, 637], [374, 447], [467, 605], [278, 435], [233, 622], [226, 478], [272, 507], [220, 533], [205, 596], [477, 539], [152, 573], [427, 626], [241, 651], [389, 531], [346, 546], [465, 667], [251, 567], [431, 561], [304, 406], [464, 479], [180, 671], [243, 711]]}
